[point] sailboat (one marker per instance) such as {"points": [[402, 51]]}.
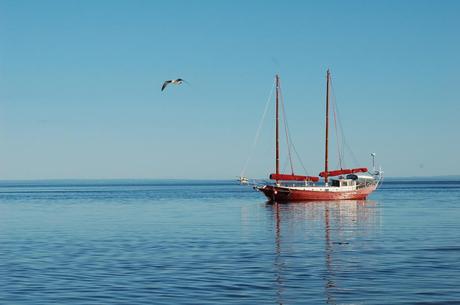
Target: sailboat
{"points": [[348, 184]]}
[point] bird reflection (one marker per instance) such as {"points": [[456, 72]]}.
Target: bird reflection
{"points": [[341, 221]]}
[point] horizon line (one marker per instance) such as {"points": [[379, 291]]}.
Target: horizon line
{"points": [[196, 179]]}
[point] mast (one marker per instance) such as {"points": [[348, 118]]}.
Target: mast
{"points": [[277, 127], [327, 126]]}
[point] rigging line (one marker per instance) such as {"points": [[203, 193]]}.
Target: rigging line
{"points": [[356, 163], [339, 131], [300, 160], [342, 133], [286, 161], [334, 106], [344, 141], [286, 130], [291, 142], [293, 146], [256, 138], [337, 136]]}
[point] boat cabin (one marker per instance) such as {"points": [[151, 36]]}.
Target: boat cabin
{"points": [[342, 182]]}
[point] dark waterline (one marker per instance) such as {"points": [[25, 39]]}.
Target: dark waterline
{"points": [[205, 242]]}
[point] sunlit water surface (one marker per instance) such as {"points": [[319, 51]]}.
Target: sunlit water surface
{"points": [[182, 242]]}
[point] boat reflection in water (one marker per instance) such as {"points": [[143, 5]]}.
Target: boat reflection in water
{"points": [[310, 236]]}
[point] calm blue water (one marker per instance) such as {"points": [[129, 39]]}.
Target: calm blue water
{"points": [[221, 243]]}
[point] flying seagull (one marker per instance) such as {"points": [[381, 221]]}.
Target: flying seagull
{"points": [[172, 81]]}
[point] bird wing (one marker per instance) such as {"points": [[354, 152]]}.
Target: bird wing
{"points": [[165, 84], [182, 80]]}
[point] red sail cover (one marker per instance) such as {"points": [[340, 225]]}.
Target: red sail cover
{"points": [[343, 172], [286, 177]]}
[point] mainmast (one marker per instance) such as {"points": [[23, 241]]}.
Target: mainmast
{"points": [[327, 126], [277, 127]]}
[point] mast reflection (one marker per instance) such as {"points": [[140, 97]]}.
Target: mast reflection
{"points": [[341, 221]]}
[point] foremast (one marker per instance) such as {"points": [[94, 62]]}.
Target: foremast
{"points": [[277, 176]]}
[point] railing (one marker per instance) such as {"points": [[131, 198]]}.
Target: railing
{"points": [[364, 184]]}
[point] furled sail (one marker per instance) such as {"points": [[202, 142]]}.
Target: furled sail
{"points": [[343, 172], [287, 177]]}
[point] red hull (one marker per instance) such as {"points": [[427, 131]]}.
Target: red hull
{"points": [[283, 194]]}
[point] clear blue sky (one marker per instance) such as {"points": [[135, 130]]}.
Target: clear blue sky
{"points": [[80, 85]]}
